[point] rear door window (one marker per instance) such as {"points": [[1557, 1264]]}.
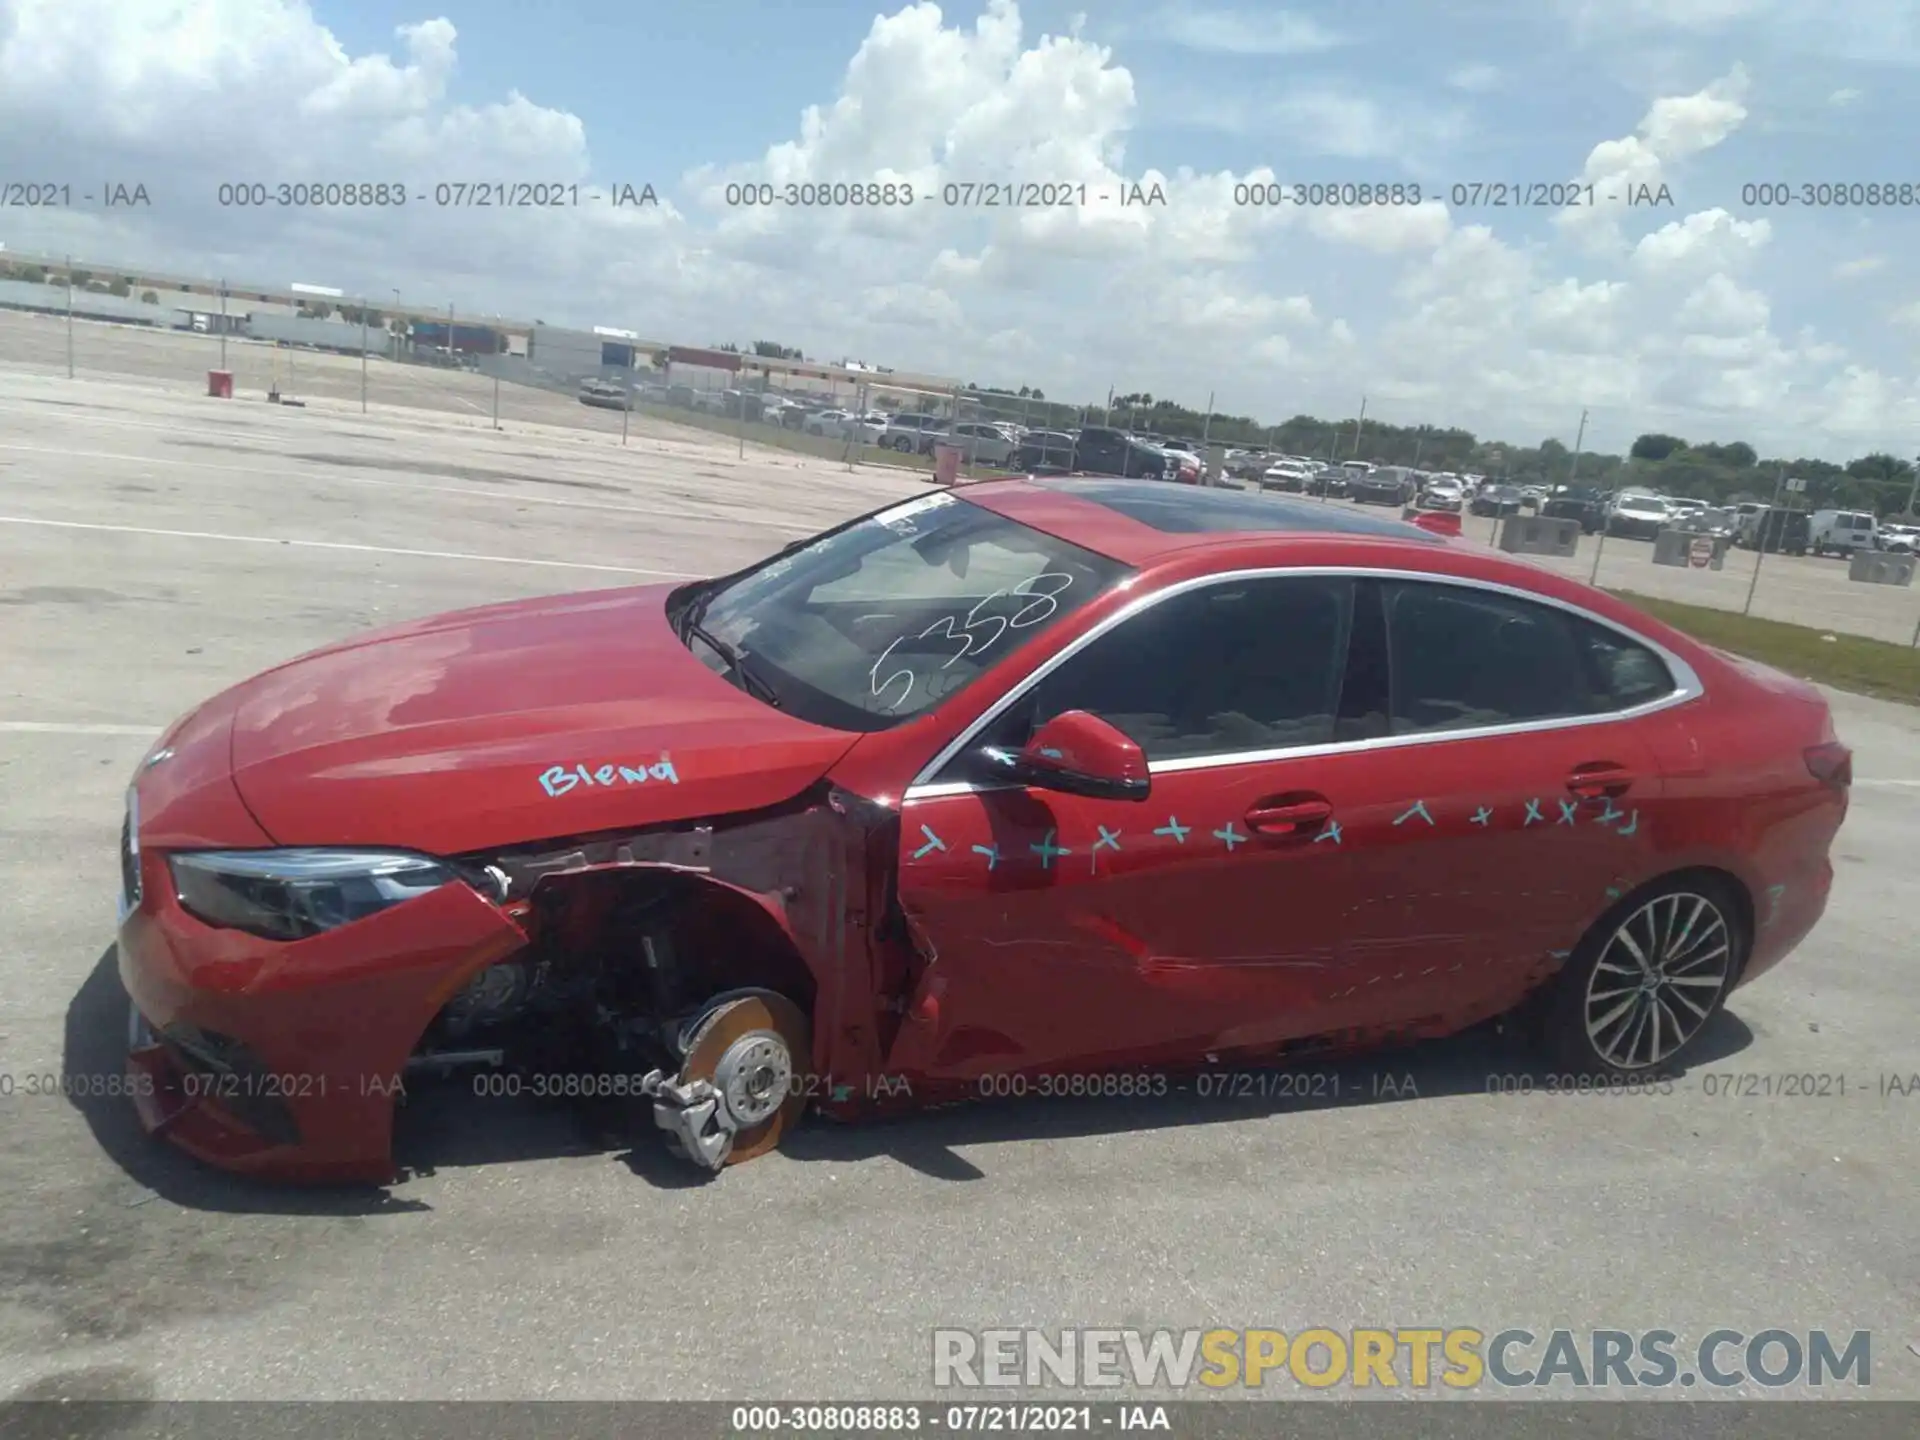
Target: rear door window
{"points": [[1462, 658]]}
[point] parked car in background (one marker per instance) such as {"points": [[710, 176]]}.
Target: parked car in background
{"points": [[1328, 481], [1776, 532], [1388, 486], [912, 432], [1899, 539], [1045, 452], [1532, 496], [1250, 465], [681, 395], [1187, 467], [1289, 475], [1638, 516], [979, 443], [606, 395], [1497, 500], [1102, 450], [1717, 521], [1443, 492], [1581, 503], [829, 424], [1841, 532]]}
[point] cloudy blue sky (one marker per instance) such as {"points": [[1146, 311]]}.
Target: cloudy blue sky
{"points": [[1713, 316]]}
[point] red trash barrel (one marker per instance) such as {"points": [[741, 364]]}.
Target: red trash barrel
{"points": [[220, 384]]}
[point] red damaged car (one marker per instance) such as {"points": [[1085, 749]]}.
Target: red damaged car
{"points": [[1026, 778]]}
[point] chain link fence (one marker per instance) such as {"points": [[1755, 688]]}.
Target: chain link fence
{"points": [[351, 353]]}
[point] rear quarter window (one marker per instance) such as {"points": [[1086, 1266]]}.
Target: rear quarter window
{"points": [[1461, 658]]}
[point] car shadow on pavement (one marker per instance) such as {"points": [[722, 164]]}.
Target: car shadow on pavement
{"points": [[448, 1126], [1484, 1061]]}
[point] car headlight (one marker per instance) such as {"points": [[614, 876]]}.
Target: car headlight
{"points": [[292, 894]]}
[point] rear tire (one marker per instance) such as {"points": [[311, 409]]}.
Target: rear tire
{"points": [[1646, 981]]}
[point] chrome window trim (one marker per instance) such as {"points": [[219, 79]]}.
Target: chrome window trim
{"points": [[1687, 683]]}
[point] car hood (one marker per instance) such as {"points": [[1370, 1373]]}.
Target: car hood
{"points": [[518, 722]]}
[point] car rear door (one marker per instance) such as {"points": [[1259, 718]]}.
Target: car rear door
{"points": [[1515, 746], [1073, 933]]}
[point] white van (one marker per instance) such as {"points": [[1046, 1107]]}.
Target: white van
{"points": [[1841, 532]]}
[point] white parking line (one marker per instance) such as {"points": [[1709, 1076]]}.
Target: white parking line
{"points": [[343, 545], [1888, 784], [45, 727], [514, 497]]}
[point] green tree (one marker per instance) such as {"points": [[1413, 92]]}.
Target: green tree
{"points": [[1656, 447], [1738, 456]]}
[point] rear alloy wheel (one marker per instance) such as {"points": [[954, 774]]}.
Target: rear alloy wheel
{"points": [[752, 1051], [1642, 986]]}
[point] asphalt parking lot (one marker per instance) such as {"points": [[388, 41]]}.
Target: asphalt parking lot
{"points": [[156, 546]]}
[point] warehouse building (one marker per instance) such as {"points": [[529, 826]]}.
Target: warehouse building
{"points": [[86, 304]]}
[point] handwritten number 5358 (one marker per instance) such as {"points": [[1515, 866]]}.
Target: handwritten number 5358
{"points": [[1042, 594]]}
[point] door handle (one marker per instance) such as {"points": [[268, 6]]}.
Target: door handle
{"points": [[1600, 780], [1290, 814]]}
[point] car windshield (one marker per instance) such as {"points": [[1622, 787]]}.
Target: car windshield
{"points": [[869, 625]]}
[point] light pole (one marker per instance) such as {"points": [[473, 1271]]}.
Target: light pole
{"points": [[1913, 490], [397, 320], [363, 354], [69, 317], [223, 322], [1760, 537]]}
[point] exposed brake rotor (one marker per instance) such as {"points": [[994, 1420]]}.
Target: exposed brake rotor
{"points": [[749, 1051]]}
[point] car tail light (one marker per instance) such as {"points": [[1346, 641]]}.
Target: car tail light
{"points": [[1831, 764]]}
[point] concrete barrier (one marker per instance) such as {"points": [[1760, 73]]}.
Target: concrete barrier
{"points": [[1539, 535], [1688, 549], [1875, 567]]}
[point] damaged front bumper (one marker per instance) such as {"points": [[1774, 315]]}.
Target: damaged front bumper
{"points": [[284, 1060]]}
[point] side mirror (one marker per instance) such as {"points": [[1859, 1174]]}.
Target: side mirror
{"points": [[1077, 753]]}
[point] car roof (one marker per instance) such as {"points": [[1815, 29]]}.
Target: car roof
{"points": [[1061, 507], [1140, 521]]}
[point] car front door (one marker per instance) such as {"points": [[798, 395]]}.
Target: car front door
{"points": [[1064, 931]]}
